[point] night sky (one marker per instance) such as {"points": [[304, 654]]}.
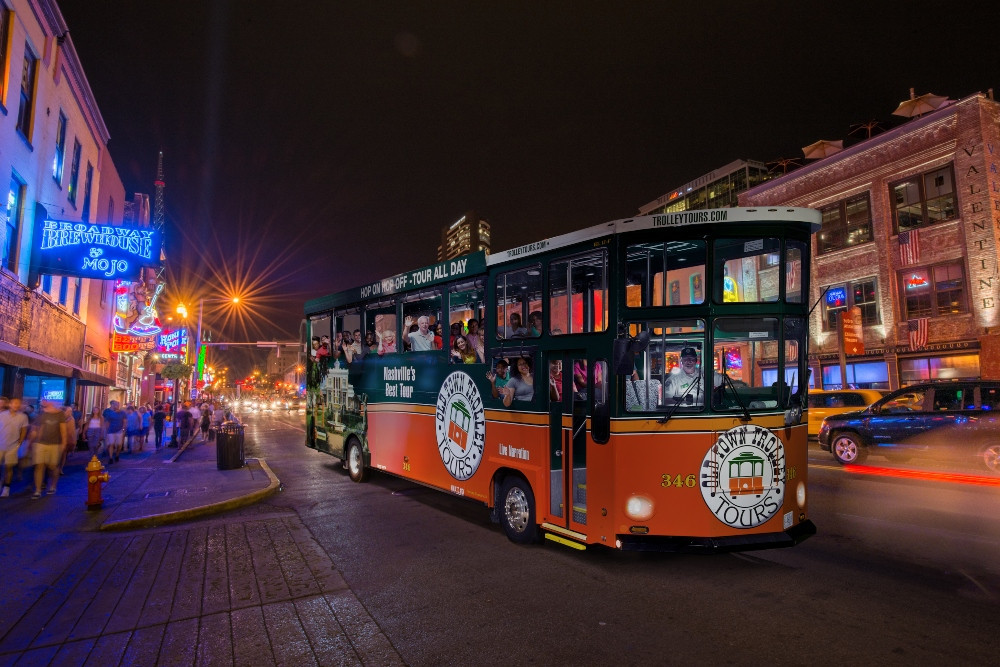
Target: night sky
{"points": [[322, 145]]}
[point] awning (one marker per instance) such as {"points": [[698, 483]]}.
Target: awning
{"points": [[90, 378], [13, 355]]}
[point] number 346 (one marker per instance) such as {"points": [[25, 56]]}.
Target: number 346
{"points": [[679, 482]]}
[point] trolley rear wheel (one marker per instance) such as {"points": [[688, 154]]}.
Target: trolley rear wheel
{"points": [[356, 462]]}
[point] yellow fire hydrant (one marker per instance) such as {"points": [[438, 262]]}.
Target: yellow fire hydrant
{"points": [[96, 476]]}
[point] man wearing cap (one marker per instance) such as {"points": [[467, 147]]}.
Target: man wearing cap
{"points": [[687, 381]]}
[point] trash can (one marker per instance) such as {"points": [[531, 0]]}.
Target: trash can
{"points": [[229, 446]]}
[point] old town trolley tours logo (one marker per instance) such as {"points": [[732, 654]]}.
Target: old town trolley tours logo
{"points": [[743, 476], [461, 425]]}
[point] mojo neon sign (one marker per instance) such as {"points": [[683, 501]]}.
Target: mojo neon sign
{"points": [[103, 252]]}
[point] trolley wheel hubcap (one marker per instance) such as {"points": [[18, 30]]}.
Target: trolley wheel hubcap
{"points": [[517, 509]]}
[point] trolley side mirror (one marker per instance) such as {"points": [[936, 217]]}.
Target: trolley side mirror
{"points": [[625, 349]]}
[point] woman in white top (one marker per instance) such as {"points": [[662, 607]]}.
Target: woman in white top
{"points": [[95, 428]]}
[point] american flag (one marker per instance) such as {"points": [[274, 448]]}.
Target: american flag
{"points": [[918, 332], [909, 246]]}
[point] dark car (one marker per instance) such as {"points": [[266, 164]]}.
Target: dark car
{"points": [[958, 421]]}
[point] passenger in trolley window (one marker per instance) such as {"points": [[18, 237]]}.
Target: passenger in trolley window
{"points": [[499, 377], [461, 352], [521, 385], [555, 379], [386, 341], [421, 339], [516, 329], [685, 386], [535, 323]]}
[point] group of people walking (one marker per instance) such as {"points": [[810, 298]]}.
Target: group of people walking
{"points": [[46, 437]]}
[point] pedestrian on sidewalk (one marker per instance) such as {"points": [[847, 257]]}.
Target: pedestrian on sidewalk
{"points": [[206, 421], [94, 431], [48, 438], [195, 419], [114, 430], [133, 427], [159, 417], [13, 430], [71, 436], [184, 422], [145, 414]]}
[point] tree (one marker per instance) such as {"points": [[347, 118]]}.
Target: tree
{"points": [[177, 372]]}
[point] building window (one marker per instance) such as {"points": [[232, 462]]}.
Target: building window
{"points": [[60, 156], [74, 174], [924, 199], [932, 291], [12, 226], [85, 214], [24, 111], [846, 223], [4, 34], [77, 295], [860, 293], [47, 284], [951, 367], [63, 290]]}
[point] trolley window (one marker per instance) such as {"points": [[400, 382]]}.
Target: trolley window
{"points": [[519, 303], [578, 289], [668, 273]]}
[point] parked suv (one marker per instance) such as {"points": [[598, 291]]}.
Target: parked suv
{"points": [[823, 403], [954, 420]]}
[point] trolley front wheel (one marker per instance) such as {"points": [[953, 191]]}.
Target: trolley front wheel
{"points": [[517, 512]]}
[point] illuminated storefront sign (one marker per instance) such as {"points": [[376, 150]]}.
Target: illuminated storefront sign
{"points": [[126, 343], [103, 252], [135, 305], [172, 345]]}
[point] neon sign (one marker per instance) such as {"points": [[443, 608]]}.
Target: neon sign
{"points": [[135, 308], [836, 297], [915, 281], [101, 252]]}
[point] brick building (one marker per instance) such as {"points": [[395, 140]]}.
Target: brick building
{"points": [[910, 236], [54, 329]]}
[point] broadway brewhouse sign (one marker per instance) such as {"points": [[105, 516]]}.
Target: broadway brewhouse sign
{"points": [[103, 252]]}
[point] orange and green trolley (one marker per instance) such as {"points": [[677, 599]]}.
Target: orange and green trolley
{"points": [[638, 384]]}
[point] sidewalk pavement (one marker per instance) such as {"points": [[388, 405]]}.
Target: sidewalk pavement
{"points": [[257, 591], [147, 488]]}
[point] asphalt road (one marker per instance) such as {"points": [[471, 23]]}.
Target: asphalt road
{"points": [[903, 571]]}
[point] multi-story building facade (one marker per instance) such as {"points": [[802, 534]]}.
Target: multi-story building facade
{"points": [[910, 236], [53, 151], [470, 233], [719, 188]]}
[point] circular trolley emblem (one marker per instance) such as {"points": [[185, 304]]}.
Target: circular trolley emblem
{"points": [[743, 476], [461, 425]]}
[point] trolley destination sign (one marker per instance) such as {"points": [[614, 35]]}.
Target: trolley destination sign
{"points": [[446, 271]]}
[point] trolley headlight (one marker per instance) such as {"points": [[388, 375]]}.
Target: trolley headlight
{"points": [[638, 508]]}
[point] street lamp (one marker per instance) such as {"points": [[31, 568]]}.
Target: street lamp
{"points": [[235, 300]]}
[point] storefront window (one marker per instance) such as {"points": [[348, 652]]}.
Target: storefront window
{"points": [[938, 368], [860, 375]]}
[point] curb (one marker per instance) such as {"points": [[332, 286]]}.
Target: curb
{"points": [[274, 485]]}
